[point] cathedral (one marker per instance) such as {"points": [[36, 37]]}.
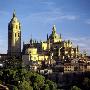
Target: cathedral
{"points": [[50, 51]]}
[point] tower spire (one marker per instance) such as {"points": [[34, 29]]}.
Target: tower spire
{"points": [[54, 28], [47, 36], [60, 35], [14, 13], [77, 48]]}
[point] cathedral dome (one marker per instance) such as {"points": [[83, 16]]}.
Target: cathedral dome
{"points": [[54, 34]]}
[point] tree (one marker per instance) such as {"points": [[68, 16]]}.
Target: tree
{"points": [[35, 86], [75, 88], [51, 84], [14, 88], [46, 87], [86, 83], [0, 82], [37, 80], [22, 79], [25, 86]]}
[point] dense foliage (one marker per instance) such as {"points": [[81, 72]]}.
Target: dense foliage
{"points": [[22, 79]]}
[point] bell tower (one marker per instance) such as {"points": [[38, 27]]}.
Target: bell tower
{"points": [[14, 37]]}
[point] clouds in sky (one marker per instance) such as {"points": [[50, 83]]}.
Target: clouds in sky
{"points": [[82, 42], [51, 14], [87, 21], [70, 17]]}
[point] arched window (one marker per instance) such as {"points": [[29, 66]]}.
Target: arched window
{"points": [[15, 34], [16, 26], [18, 34]]}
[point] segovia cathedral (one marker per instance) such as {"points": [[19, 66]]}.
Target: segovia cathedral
{"points": [[52, 51], [54, 48]]}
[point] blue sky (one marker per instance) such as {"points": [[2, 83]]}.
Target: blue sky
{"points": [[71, 17]]}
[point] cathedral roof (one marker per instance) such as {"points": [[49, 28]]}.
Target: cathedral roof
{"points": [[54, 34]]}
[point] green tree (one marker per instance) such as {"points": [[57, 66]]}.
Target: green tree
{"points": [[35, 86], [25, 86], [46, 87], [0, 82], [37, 80], [40, 80], [75, 88], [86, 82], [51, 84], [22, 79], [14, 88]]}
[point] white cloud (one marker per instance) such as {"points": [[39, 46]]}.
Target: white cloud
{"points": [[87, 21], [50, 16], [48, 3], [83, 42], [69, 17], [51, 13]]}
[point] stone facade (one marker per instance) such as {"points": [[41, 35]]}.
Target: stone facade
{"points": [[53, 49], [14, 37]]}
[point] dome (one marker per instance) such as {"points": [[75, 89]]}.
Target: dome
{"points": [[54, 34]]}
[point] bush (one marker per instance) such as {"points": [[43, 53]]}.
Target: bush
{"points": [[75, 88]]}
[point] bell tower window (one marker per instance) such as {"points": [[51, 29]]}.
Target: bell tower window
{"points": [[18, 34], [15, 34], [16, 26]]}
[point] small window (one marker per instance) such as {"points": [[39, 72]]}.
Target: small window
{"points": [[43, 48], [15, 34], [34, 58], [16, 26], [13, 26], [18, 34]]}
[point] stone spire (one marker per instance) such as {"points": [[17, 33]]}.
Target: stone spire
{"points": [[60, 35], [47, 36], [77, 48], [14, 14], [54, 28]]}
